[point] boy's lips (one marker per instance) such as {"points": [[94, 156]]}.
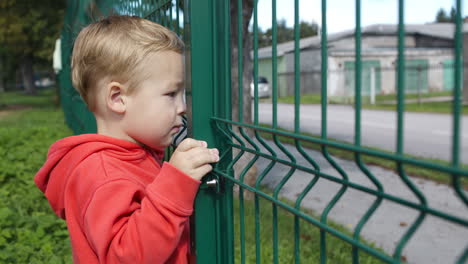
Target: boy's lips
{"points": [[177, 128]]}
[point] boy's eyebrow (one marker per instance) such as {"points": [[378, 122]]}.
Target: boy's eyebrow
{"points": [[180, 84]]}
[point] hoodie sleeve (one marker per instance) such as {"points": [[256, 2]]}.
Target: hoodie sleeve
{"points": [[127, 223]]}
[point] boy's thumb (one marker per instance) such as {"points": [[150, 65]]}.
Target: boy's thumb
{"points": [[190, 143]]}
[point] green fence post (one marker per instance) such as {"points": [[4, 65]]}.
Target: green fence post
{"points": [[77, 115], [207, 83]]}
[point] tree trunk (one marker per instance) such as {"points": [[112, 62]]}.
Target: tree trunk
{"points": [[2, 74], [2, 77], [27, 75], [247, 8]]}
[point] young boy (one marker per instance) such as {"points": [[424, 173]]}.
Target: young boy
{"points": [[120, 202]]}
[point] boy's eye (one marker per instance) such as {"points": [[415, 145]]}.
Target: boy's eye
{"points": [[171, 94]]}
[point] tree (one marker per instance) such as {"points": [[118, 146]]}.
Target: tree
{"points": [[28, 33], [246, 44], [453, 14], [308, 29], [285, 33], [2, 71], [442, 17]]}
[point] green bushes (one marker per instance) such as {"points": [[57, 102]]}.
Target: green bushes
{"points": [[29, 231]]}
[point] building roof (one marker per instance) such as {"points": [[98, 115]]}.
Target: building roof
{"points": [[436, 30]]}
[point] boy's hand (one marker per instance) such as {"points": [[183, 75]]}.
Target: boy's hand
{"points": [[193, 158]]}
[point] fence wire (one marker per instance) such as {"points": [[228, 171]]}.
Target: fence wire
{"points": [[294, 175]]}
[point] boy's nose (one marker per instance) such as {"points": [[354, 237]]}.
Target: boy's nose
{"points": [[181, 108]]}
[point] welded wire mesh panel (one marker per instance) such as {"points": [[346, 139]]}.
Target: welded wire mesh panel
{"points": [[314, 198], [169, 13], [302, 196]]}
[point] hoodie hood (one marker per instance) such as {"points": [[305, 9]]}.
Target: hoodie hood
{"points": [[66, 154]]}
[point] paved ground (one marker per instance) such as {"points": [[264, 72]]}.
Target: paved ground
{"points": [[436, 241], [426, 135]]}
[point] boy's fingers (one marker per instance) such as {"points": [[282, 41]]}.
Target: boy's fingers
{"points": [[190, 143], [203, 170], [201, 156], [215, 151]]}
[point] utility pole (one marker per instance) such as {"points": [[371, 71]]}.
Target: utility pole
{"points": [[372, 85], [465, 70], [419, 69]]}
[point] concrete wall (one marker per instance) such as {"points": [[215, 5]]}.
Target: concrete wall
{"points": [[388, 60], [310, 74]]}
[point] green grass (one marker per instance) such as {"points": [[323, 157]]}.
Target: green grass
{"points": [[428, 107], [389, 97], [29, 231], [338, 251], [381, 102], [411, 170], [305, 99], [45, 98], [316, 98]]}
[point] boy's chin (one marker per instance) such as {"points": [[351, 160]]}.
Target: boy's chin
{"points": [[158, 147], [162, 146]]}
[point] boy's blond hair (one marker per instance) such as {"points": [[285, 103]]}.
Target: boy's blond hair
{"points": [[115, 47]]}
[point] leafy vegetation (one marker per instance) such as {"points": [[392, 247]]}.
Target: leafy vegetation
{"points": [[285, 33], [27, 37], [29, 231], [443, 17]]}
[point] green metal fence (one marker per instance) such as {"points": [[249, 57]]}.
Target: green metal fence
{"points": [[223, 224]]}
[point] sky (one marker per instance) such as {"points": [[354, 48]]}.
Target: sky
{"points": [[341, 13]]}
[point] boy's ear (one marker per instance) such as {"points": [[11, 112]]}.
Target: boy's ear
{"points": [[115, 97]]}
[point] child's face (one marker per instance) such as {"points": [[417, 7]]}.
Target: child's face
{"points": [[154, 111]]}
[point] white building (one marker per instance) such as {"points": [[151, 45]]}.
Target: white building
{"points": [[428, 59]]}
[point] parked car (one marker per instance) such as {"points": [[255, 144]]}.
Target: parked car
{"points": [[44, 82], [263, 88]]}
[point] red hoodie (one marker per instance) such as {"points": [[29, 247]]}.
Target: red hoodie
{"points": [[120, 204]]}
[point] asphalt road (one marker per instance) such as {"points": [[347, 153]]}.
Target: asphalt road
{"points": [[425, 134], [436, 241]]}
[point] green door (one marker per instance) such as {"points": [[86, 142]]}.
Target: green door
{"points": [[448, 75], [416, 76], [370, 71]]}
